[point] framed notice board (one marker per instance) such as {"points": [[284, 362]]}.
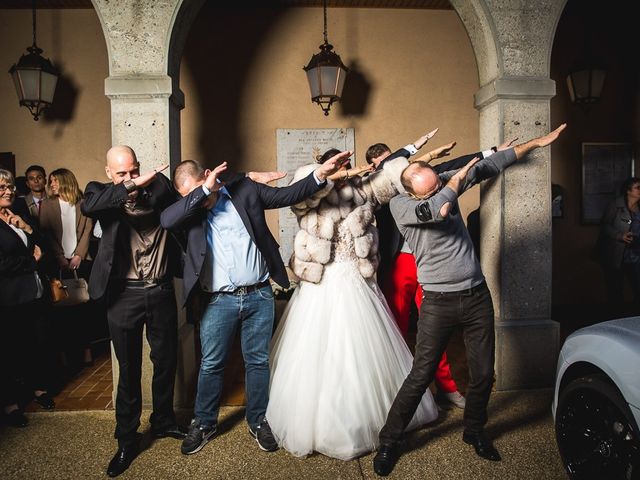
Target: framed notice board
{"points": [[604, 167]]}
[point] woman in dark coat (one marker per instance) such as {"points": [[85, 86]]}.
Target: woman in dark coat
{"points": [[619, 245], [21, 294]]}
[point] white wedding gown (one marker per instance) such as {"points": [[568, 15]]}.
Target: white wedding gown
{"points": [[337, 362]]}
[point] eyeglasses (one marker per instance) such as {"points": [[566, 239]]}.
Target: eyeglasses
{"points": [[11, 188]]}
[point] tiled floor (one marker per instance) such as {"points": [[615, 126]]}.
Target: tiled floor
{"points": [[90, 389]]}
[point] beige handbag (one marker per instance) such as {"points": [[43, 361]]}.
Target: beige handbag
{"points": [[69, 291]]}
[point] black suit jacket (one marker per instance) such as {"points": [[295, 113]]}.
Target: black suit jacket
{"points": [[389, 237], [250, 199], [104, 202], [17, 264]]}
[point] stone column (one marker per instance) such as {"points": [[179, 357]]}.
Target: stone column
{"points": [[513, 47], [515, 218], [145, 99]]}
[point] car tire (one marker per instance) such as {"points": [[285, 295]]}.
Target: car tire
{"points": [[596, 433]]}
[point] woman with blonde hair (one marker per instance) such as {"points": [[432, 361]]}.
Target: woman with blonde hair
{"points": [[68, 233]]}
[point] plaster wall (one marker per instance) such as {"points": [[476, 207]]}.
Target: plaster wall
{"points": [[414, 69], [78, 133]]}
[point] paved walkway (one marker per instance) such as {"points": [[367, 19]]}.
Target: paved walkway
{"points": [[78, 445]]}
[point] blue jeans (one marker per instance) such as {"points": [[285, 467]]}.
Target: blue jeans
{"points": [[254, 313]]}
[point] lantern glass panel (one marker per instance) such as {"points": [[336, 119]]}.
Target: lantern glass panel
{"points": [[328, 80], [581, 83], [30, 80], [342, 74], [49, 82], [314, 84], [16, 82]]}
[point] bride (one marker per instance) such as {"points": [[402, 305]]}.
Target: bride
{"points": [[337, 356]]}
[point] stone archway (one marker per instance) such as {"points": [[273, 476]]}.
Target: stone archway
{"points": [[512, 48]]}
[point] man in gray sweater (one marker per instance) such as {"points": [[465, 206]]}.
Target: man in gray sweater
{"points": [[454, 290]]}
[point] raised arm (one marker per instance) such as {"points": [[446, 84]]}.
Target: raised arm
{"points": [[298, 191], [99, 197], [174, 216]]}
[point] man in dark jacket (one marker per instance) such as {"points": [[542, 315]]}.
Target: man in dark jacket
{"points": [[133, 271]]}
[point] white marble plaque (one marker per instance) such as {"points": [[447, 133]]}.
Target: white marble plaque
{"points": [[298, 147]]}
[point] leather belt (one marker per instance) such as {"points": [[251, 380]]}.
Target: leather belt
{"points": [[247, 289], [143, 283], [459, 293]]}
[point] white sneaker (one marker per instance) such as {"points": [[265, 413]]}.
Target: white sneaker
{"points": [[454, 398]]}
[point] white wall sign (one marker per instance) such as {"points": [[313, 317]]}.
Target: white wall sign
{"points": [[298, 147]]}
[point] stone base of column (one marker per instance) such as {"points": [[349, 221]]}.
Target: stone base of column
{"points": [[526, 354]]}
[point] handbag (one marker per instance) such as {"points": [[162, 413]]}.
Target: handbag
{"points": [[68, 292], [57, 290]]}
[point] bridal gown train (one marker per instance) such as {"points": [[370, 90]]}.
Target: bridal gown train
{"points": [[337, 362]]}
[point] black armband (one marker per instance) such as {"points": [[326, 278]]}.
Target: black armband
{"points": [[423, 212]]}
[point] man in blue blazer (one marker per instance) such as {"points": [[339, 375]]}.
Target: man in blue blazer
{"points": [[230, 256]]}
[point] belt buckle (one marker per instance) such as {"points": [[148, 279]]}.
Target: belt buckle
{"points": [[241, 290]]}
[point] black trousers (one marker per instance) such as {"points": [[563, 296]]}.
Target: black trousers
{"points": [[25, 360], [128, 311], [440, 314]]}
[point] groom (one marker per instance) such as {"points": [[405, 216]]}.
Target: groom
{"points": [[454, 291], [230, 256]]}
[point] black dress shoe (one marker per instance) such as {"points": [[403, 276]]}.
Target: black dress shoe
{"points": [[385, 460], [45, 401], [484, 447], [16, 419], [122, 459], [174, 431]]}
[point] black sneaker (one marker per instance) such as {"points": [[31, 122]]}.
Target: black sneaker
{"points": [[197, 437], [264, 436]]}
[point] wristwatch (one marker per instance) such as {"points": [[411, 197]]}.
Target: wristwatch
{"points": [[129, 185]]}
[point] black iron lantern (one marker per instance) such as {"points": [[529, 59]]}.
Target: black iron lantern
{"points": [[585, 86], [34, 77], [326, 73]]}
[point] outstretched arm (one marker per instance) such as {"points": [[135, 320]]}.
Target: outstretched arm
{"points": [[352, 172], [524, 148], [272, 197], [266, 177]]}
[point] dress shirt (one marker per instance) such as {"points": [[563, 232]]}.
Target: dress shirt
{"points": [[143, 246], [232, 259], [69, 236]]}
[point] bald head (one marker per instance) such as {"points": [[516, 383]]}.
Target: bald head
{"points": [[122, 164], [420, 180]]}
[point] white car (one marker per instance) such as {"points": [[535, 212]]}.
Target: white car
{"points": [[596, 405]]}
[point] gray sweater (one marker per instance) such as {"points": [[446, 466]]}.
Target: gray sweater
{"points": [[442, 246]]}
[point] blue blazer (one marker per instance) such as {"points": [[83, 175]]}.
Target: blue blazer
{"points": [[250, 199]]}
